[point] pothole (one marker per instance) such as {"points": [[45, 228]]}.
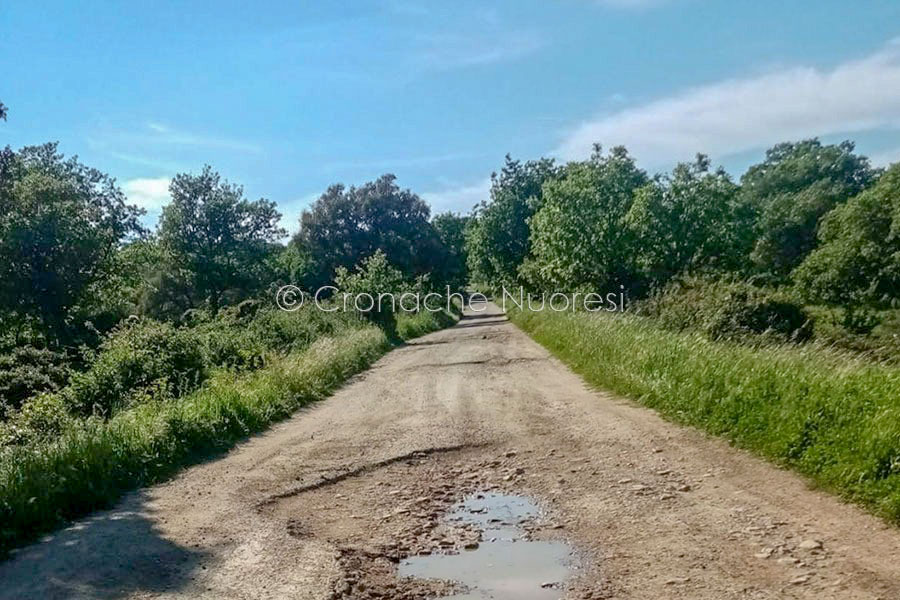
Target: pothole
{"points": [[505, 564]]}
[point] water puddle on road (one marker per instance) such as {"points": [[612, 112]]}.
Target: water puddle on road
{"points": [[505, 565]]}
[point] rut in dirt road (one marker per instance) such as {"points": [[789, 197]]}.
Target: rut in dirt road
{"points": [[349, 494]]}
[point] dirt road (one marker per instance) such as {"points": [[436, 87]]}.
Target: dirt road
{"points": [[326, 504]]}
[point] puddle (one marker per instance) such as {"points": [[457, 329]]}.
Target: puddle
{"points": [[505, 566]]}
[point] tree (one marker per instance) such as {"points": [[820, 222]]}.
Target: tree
{"points": [[60, 226], [3, 111], [346, 225], [857, 264], [791, 190], [451, 230], [217, 237], [580, 237], [373, 277], [687, 222], [498, 241]]}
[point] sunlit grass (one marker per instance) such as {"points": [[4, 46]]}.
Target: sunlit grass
{"points": [[833, 416], [94, 462]]}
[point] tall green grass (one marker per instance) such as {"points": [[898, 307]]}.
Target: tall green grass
{"points": [[93, 462], [832, 416]]}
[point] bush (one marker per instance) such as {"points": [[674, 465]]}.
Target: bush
{"points": [[26, 371], [94, 461], [728, 310], [140, 359], [374, 276], [41, 418]]}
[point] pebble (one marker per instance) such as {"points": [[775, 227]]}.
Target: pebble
{"points": [[810, 545]]}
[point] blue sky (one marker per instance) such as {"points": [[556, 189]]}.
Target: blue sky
{"points": [[287, 98]]}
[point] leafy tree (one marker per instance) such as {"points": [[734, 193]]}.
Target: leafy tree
{"points": [[791, 190], [580, 237], [498, 240], [3, 111], [60, 226], [687, 222], [346, 225], [451, 230], [374, 276], [857, 264], [217, 238]]}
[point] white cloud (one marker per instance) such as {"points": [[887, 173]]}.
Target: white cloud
{"points": [[744, 114], [458, 199], [148, 193]]}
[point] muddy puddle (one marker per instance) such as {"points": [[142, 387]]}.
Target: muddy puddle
{"points": [[505, 565]]}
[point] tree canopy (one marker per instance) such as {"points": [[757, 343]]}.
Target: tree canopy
{"points": [[579, 235], [60, 226], [499, 239], [791, 190], [347, 225], [216, 237], [858, 260]]}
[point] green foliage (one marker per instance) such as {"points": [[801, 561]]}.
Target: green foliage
{"points": [[42, 418], [828, 415], [374, 277], [451, 230], [791, 190], [345, 226], [54, 467], [26, 371], [858, 262], [724, 310], [138, 360], [498, 239], [579, 236], [217, 240], [93, 462], [688, 222], [60, 224]]}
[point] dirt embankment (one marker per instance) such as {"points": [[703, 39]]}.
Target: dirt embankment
{"points": [[326, 504]]}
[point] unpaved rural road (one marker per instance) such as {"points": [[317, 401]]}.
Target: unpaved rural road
{"points": [[323, 505]]}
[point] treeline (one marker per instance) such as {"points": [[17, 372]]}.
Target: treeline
{"points": [[807, 241], [82, 279], [127, 352]]}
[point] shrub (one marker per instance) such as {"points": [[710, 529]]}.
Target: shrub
{"points": [[140, 357], [41, 418], [374, 276], [729, 310], [26, 371]]}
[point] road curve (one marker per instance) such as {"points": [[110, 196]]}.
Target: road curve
{"points": [[324, 504]]}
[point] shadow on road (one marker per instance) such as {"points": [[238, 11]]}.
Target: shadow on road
{"points": [[109, 555]]}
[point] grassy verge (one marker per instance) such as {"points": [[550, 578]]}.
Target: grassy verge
{"points": [[832, 416], [94, 462]]}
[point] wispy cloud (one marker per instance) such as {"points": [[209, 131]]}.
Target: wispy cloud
{"points": [[454, 50], [744, 114], [161, 133], [460, 198], [399, 162], [150, 193]]}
